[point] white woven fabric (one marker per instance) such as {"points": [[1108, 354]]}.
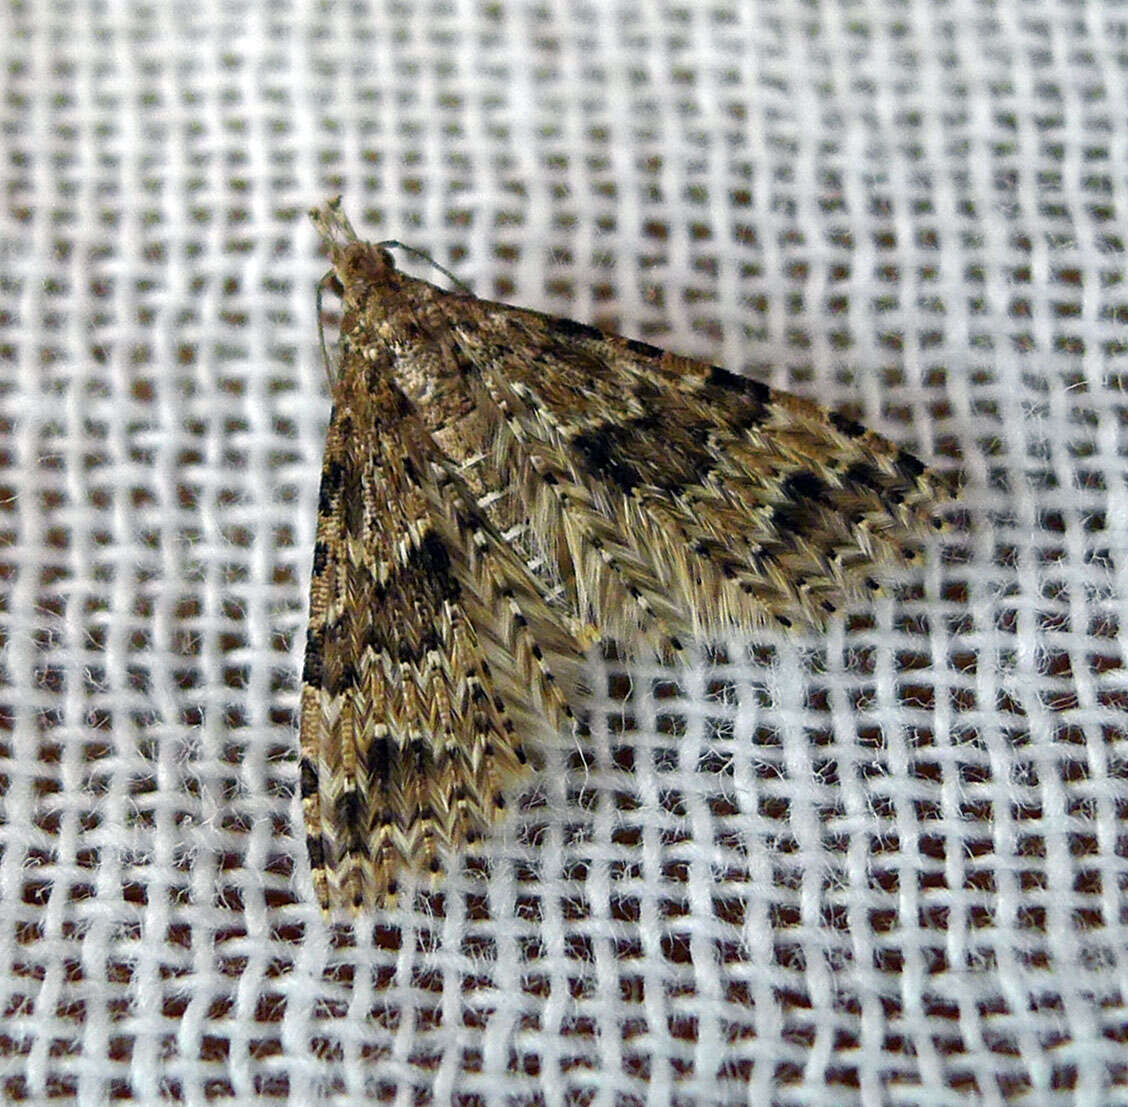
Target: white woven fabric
{"points": [[885, 865]]}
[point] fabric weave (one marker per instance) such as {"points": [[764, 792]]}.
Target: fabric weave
{"points": [[884, 865]]}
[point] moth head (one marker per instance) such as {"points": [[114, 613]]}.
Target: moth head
{"points": [[358, 263]]}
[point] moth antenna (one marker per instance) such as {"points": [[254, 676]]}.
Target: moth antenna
{"points": [[395, 244], [325, 361]]}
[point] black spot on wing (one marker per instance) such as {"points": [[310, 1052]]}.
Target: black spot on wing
{"points": [[789, 518], [890, 489], [864, 474], [572, 329], [644, 349], [403, 615], [803, 485], [751, 413], [308, 778], [659, 449], [331, 477], [344, 680], [431, 554], [720, 377], [802, 491], [348, 814], [315, 846], [320, 558], [599, 451], [431, 561], [378, 760], [742, 402], [312, 670], [846, 426], [908, 465]]}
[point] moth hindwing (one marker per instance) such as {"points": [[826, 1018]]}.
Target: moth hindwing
{"points": [[496, 484]]}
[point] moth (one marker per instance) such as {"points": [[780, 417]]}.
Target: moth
{"points": [[499, 488]]}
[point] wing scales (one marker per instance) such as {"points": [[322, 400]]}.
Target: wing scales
{"points": [[650, 495]]}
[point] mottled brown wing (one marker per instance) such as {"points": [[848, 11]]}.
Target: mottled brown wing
{"points": [[690, 499], [431, 659], [659, 496]]}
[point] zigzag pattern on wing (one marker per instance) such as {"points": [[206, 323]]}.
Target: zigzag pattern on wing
{"points": [[430, 655], [691, 498], [650, 495]]}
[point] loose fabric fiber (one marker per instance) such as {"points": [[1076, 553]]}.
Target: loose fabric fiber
{"points": [[885, 864]]}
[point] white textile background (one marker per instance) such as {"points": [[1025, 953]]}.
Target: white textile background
{"points": [[884, 865]]}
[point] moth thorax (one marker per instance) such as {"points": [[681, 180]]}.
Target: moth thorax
{"points": [[436, 388]]}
